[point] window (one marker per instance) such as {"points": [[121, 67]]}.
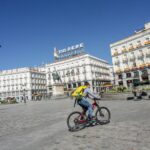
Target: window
{"points": [[131, 44], [128, 75], [136, 74], [74, 85], [147, 39], [120, 76], [144, 74], [134, 64]]}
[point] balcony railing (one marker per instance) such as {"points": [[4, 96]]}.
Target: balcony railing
{"points": [[124, 50], [147, 54], [142, 65], [116, 62], [118, 71], [124, 60], [131, 48], [147, 43], [126, 69], [140, 56], [115, 54], [132, 68], [148, 64], [132, 58], [139, 45]]}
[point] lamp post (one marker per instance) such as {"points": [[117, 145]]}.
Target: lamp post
{"points": [[23, 90]]}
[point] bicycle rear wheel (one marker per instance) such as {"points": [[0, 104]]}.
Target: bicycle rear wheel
{"points": [[76, 121], [103, 115]]}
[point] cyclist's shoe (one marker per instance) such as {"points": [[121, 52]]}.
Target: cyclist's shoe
{"points": [[92, 120]]}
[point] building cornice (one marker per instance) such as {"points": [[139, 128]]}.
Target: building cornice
{"points": [[130, 38], [76, 58]]}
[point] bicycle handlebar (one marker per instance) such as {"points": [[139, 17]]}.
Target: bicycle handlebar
{"points": [[96, 99]]}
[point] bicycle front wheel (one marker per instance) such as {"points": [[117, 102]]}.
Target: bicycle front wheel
{"points": [[76, 121], [103, 115]]}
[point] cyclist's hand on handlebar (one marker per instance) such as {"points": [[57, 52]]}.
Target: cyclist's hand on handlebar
{"points": [[97, 98]]}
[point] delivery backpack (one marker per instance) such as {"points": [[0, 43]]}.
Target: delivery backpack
{"points": [[79, 92]]}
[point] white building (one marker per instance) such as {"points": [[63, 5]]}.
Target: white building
{"points": [[131, 58], [22, 83], [76, 70]]}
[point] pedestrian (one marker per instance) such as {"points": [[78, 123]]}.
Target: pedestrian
{"points": [[134, 91]]}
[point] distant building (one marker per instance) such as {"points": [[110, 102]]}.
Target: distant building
{"points": [[22, 83], [72, 64], [76, 70], [131, 58]]}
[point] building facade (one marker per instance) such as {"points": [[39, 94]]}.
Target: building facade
{"points": [[28, 83], [131, 58], [75, 71]]}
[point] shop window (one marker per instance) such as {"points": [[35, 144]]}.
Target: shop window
{"points": [[69, 86], [74, 85], [79, 84], [120, 83], [144, 75]]}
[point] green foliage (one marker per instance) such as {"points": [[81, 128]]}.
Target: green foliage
{"points": [[8, 101]]}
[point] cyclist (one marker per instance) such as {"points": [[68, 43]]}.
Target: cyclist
{"points": [[84, 103]]}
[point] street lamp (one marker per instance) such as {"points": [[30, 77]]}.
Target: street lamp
{"points": [[23, 90]]}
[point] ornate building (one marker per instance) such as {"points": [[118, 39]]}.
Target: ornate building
{"points": [[76, 70], [131, 58]]}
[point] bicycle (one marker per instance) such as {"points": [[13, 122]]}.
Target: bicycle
{"points": [[79, 120]]}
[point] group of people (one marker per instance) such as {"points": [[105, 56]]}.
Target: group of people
{"points": [[138, 93]]}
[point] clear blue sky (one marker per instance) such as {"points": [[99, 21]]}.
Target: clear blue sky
{"points": [[30, 29]]}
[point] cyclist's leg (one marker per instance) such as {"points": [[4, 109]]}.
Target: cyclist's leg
{"points": [[86, 104], [83, 106]]}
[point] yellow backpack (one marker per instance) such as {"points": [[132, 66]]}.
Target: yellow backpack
{"points": [[79, 92]]}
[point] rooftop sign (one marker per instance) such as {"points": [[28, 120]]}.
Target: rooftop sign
{"points": [[68, 52]]}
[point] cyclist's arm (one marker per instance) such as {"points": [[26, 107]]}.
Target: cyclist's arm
{"points": [[89, 93]]}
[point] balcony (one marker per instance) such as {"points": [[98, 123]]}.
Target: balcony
{"points": [[140, 56], [138, 45], [118, 71], [132, 58], [147, 43], [148, 54], [125, 60], [126, 69], [115, 54], [148, 64], [117, 62], [141, 66], [124, 50], [131, 48], [133, 68]]}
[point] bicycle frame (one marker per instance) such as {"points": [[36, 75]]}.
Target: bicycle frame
{"points": [[83, 113]]}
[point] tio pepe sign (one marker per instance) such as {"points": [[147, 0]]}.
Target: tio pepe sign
{"points": [[71, 48]]}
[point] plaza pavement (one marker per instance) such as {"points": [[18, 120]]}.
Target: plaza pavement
{"points": [[42, 126]]}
